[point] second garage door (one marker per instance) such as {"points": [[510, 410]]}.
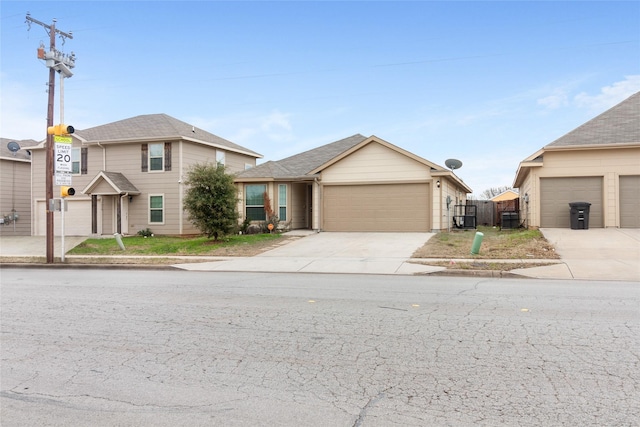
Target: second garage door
{"points": [[630, 201], [379, 208], [557, 193]]}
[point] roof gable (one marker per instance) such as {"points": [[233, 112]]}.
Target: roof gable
{"points": [[156, 127], [618, 125], [375, 139], [115, 180]]}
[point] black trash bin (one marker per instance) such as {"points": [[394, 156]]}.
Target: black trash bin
{"points": [[579, 215]]}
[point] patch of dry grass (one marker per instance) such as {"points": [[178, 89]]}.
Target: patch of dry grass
{"points": [[496, 244]]}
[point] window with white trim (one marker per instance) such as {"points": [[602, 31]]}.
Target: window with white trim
{"points": [[156, 157], [75, 161], [156, 209], [282, 202], [254, 202], [220, 157]]}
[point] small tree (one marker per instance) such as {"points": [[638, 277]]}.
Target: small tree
{"points": [[271, 216], [210, 200]]}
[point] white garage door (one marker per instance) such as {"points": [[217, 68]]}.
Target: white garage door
{"points": [[379, 208], [557, 193], [630, 201], [77, 219]]}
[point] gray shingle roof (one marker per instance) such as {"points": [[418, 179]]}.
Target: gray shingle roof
{"points": [[300, 165], [155, 126], [618, 125], [121, 182], [21, 154]]}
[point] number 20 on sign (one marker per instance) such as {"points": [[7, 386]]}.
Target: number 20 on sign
{"points": [[63, 153]]}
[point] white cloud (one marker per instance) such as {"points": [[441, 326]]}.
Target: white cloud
{"points": [[609, 95], [554, 101]]}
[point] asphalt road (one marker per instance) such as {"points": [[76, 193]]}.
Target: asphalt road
{"points": [[165, 348]]}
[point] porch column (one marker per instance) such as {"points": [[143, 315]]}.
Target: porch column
{"points": [[119, 215], [94, 214]]}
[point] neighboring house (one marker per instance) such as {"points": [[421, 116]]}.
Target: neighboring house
{"points": [[505, 195], [128, 176], [355, 184], [15, 187], [597, 163]]}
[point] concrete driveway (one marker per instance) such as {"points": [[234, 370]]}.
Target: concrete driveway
{"points": [[593, 254], [333, 252], [36, 246]]}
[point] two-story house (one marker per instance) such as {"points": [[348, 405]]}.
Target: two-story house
{"points": [[128, 176]]}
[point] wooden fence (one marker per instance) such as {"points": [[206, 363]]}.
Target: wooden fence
{"points": [[489, 213]]}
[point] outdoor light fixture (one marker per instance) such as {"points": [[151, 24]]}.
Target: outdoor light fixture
{"points": [[438, 183]]}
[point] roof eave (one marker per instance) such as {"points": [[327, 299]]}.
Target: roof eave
{"points": [[590, 146]]}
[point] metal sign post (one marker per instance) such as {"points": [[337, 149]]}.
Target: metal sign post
{"points": [[63, 207]]}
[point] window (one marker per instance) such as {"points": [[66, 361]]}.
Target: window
{"points": [[75, 161], [220, 158], [247, 166], [156, 157], [282, 202], [254, 202], [79, 161], [156, 209]]}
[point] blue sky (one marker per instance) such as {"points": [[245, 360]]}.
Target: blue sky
{"points": [[488, 83]]}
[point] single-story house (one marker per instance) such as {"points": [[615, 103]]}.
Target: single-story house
{"points": [[15, 187], [505, 196], [128, 176], [596, 163], [355, 184]]}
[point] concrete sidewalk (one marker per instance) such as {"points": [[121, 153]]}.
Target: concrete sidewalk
{"points": [[595, 254]]}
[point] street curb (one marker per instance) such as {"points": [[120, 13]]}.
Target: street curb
{"points": [[59, 265], [476, 273]]}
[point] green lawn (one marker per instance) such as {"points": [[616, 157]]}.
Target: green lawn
{"points": [[170, 245]]}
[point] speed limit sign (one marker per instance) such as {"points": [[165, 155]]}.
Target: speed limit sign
{"points": [[62, 153]]}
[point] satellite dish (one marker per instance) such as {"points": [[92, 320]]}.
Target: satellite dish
{"points": [[13, 147], [453, 164]]}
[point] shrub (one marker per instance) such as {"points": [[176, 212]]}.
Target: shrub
{"points": [[145, 233]]}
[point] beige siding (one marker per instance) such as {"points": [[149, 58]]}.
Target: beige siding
{"points": [[526, 209], [375, 162], [608, 164], [199, 154], [15, 195]]}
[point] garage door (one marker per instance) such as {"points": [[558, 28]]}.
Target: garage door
{"points": [[557, 193], [630, 201], [77, 219], [383, 207]]}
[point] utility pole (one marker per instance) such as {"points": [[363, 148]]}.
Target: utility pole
{"points": [[51, 29]]}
